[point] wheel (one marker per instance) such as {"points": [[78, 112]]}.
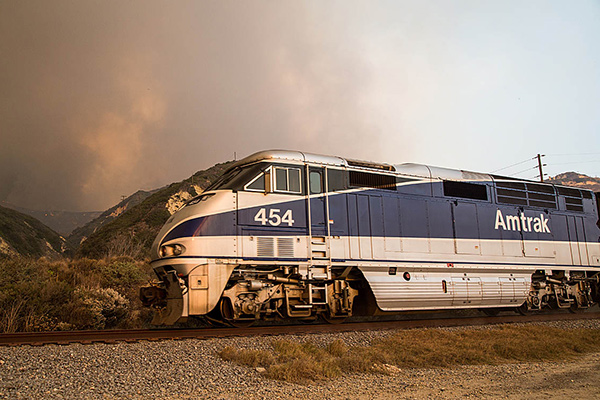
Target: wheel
{"points": [[334, 321], [575, 309], [241, 323], [523, 309], [491, 312], [226, 310]]}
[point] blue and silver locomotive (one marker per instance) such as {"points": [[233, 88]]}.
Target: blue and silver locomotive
{"points": [[286, 234]]}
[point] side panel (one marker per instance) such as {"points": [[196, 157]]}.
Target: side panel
{"points": [[414, 225], [433, 287], [353, 245], [376, 214], [391, 225], [466, 228], [537, 244], [574, 240], [364, 227], [577, 240], [512, 240], [440, 227]]}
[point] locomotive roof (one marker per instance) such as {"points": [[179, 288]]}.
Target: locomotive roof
{"points": [[410, 169], [417, 170]]}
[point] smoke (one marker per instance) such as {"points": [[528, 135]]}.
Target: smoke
{"points": [[102, 99]]}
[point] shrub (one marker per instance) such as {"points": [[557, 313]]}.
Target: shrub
{"points": [[98, 308], [71, 294]]}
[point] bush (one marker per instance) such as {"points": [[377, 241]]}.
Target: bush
{"points": [[98, 308], [39, 295]]}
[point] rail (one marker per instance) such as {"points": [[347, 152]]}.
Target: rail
{"points": [[134, 335]]}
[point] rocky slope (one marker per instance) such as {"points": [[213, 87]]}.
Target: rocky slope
{"points": [[83, 232], [133, 230], [576, 180], [21, 234]]}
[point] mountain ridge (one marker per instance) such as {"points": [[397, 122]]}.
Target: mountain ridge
{"points": [[81, 233], [133, 231], [576, 179], [22, 234], [61, 221]]}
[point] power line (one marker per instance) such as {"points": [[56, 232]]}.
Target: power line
{"points": [[573, 154], [576, 162], [525, 170], [514, 165]]}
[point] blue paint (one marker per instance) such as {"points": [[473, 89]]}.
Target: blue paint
{"points": [[383, 214]]}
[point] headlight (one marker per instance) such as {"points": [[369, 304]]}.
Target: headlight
{"points": [[172, 250]]}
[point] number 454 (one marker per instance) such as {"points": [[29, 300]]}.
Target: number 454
{"points": [[274, 219]]}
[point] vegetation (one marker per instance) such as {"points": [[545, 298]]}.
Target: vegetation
{"points": [[140, 224], [80, 233], [421, 348], [98, 289], [39, 295]]}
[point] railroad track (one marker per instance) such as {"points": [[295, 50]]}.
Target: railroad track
{"points": [[134, 335]]}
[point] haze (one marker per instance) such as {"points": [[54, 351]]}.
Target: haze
{"points": [[100, 99]]}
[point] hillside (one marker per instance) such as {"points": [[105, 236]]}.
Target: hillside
{"points": [[133, 231], [21, 234], [63, 222], [576, 180], [83, 232]]}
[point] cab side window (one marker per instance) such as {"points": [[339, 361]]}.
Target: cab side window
{"points": [[287, 180], [315, 182]]}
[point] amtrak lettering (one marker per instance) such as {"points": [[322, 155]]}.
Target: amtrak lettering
{"points": [[522, 223]]}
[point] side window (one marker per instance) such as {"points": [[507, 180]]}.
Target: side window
{"points": [[336, 180], [287, 180], [316, 182]]}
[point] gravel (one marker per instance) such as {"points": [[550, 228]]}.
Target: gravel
{"points": [[191, 369]]}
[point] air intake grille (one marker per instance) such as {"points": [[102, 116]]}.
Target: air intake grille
{"points": [[533, 194], [265, 247], [285, 247]]}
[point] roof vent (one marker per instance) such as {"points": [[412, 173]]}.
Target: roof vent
{"points": [[367, 164]]}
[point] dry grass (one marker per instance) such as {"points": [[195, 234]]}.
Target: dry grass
{"points": [[422, 348]]}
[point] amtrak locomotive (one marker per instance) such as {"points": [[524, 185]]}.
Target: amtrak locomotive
{"points": [[285, 234]]}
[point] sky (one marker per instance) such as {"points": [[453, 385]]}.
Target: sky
{"points": [[99, 99]]}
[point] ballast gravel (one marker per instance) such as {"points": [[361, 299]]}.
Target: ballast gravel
{"points": [[191, 369]]}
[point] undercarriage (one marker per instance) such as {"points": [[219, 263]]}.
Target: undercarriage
{"points": [[281, 293], [572, 290], [267, 292]]}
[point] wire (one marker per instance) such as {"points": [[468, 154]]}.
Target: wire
{"points": [[576, 162], [572, 154], [525, 170], [514, 165]]}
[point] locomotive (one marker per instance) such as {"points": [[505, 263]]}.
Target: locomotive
{"points": [[292, 235]]}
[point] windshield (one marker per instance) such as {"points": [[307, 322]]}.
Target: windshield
{"points": [[237, 177]]}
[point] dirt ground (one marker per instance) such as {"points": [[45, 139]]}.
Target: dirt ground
{"points": [[575, 379]]}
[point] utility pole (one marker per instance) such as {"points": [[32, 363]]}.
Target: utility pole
{"points": [[539, 158]]}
